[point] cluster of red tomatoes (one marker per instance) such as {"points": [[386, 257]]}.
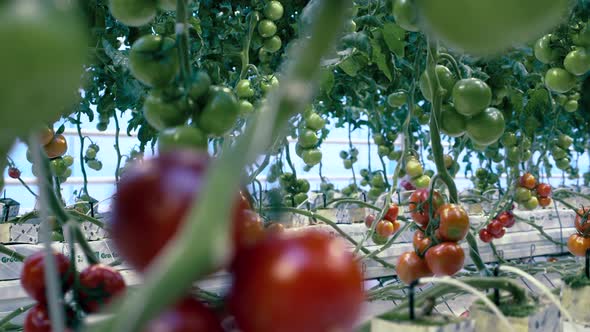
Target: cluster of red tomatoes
{"points": [[531, 194], [497, 227], [439, 254], [385, 227], [579, 242], [272, 272], [96, 286]]}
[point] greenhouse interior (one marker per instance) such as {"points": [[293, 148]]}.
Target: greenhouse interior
{"points": [[295, 165]]}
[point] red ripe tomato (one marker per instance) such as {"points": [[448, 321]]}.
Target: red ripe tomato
{"points": [[543, 189], [309, 271], [445, 259], [369, 220], [495, 227], [454, 222], [500, 234], [485, 236], [153, 198], [248, 230], [411, 267], [37, 319], [188, 315], [385, 228], [392, 212], [32, 276], [419, 208], [528, 181], [506, 218], [545, 201], [99, 284], [578, 244], [421, 242], [275, 229], [583, 221], [14, 172]]}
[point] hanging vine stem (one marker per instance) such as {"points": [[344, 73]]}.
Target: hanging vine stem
{"points": [[11, 253], [288, 158], [182, 40], [437, 149], [27, 187], [81, 137], [19, 311], [117, 148], [350, 148], [253, 19], [177, 266]]}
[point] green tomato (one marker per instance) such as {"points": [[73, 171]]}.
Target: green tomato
{"points": [[422, 181], [315, 122], [558, 153], [382, 151], [364, 172], [343, 155], [153, 60], [397, 99], [509, 139], [564, 141], [575, 96], [94, 146], [561, 99], [246, 107], [531, 204], [471, 96], [273, 10], [312, 157], [267, 28], [414, 168], [513, 154], [347, 163], [264, 56], [487, 127], [498, 158], [378, 181], [582, 38], [354, 152], [166, 4], [489, 26], [200, 86], [300, 198], [160, 114], [303, 185], [577, 62], [544, 52], [273, 44], [67, 173], [95, 164], [68, 160], [102, 126], [563, 163], [41, 66], [364, 183], [220, 113], [445, 79], [405, 14], [182, 137], [394, 155], [526, 154], [571, 106], [133, 13], [522, 194], [424, 119], [391, 135], [559, 80], [244, 89], [307, 139], [378, 139], [452, 123], [269, 83], [58, 167], [90, 153], [525, 142]]}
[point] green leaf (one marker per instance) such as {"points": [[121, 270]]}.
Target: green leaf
{"points": [[381, 59], [119, 59], [358, 40], [61, 129], [326, 80], [353, 64], [394, 37]]}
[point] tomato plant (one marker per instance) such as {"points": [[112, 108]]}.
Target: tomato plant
{"points": [[99, 284], [485, 235], [153, 60], [446, 81], [392, 212], [324, 282], [421, 242], [405, 14], [419, 207], [559, 80], [220, 113], [57, 147], [471, 96], [454, 222], [32, 276], [411, 267], [578, 244], [486, 127], [582, 221], [528, 181]]}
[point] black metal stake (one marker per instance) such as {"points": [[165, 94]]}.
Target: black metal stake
{"points": [[496, 290], [325, 199], [411, 293]]}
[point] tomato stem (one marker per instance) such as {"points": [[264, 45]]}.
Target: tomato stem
{"points": [[82, 166], [253, 19], [15, 313], [117, 147], [11, 253], [182, 38]]}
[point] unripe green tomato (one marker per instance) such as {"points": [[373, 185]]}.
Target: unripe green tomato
{"points": [[577, 62], [509, 139], [95, 164], [315, 122], [522, 194], [373, 195], [58, 167], [391, 135], [531, 204], [264, 56], [300, 198], [513, 154], [446, 81], [471, 96], [394, 155], [558, 153], [575, 96], [559, 80], [347, 163], [347, 191], [312, 157], [307, 139], [564, 141], [133, 13], [571, 106], [422, 181], [364, 182], [378, 181], [378, 139], [544, 52], [269, 83], [563, 163], [561, 99], [414, 168], [244, 89], [382, 150], [364, 172], [303, 185], [397, 99], [200, 86], [68, 160], [273, 44], [182, 137], [424, 119], [273, 10], [102, 126], [526, 154], [246, 107], [498, 158], [267, 28], [406, 14], [67, 173], [343, 154], [90, 153]]}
